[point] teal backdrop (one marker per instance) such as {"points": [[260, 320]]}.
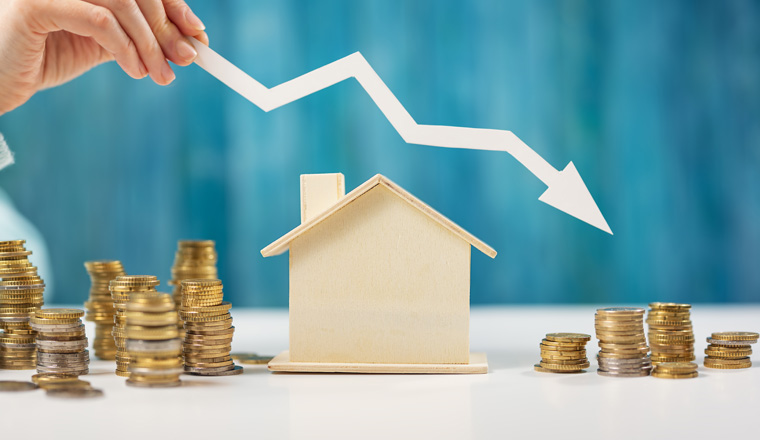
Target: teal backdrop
{"points": [[657, 104]]}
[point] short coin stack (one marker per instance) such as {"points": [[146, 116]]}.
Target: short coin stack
{"points": [[563, 353], [623, 346], [195, 259], [61, 341], [153, 341], [675, 370], [100, 305], [208, 329], [21, 292], [121, 287], [730, 350], [671, 336]]}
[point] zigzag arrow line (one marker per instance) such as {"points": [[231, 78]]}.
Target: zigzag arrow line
{"points": [[566, 191]]}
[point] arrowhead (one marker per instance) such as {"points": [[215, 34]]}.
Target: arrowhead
{"points": [[569, 194]]}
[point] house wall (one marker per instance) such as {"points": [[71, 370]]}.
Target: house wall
{"points": [[379, 281]]}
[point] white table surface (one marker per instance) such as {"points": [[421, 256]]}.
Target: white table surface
{"points": [[512, 401]]}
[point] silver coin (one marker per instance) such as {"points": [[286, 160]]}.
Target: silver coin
{"points": [[78, 371], [63, 364], [52, 331], [607, 361], [49, 345], [60, 327], [79, 354], [75, 393], [157, 346], [622, 374], [624, 367], [15, 318], [197, 370], [729, 343], [229, 372], [12, 288]]}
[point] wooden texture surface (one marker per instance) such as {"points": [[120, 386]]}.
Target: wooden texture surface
{"points": [[319, 192], [379, 281], [281, 363]]}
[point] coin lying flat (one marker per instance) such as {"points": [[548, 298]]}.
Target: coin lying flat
{"points": [[251, 358], [75, 393], [16, 385]]}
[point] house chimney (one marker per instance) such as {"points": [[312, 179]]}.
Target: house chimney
{"points": [[319, 192]]}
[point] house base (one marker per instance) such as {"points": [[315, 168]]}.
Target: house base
{"points": [[281, 363]]}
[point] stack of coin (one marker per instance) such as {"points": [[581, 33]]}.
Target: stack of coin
{"points": [[100, 305], [671, 337], [623, 346], [121, 287], [563, 353], [153, 341], [730, 350], [675, 370], [208, 329], [61, 341], [21, 294], [195, 259]]}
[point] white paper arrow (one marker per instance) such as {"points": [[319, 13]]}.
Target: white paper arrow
{"points": [[566, 191]]}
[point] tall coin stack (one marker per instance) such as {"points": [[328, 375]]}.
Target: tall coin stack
{"points": [[21, 295], [61, 341], [671, 336], [121, 287], [153, 341], [195, 259], [730, 350], [208, 329], [563, 353], [623, 346], [100, 305]]}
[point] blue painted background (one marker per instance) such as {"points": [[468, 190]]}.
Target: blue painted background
{"points": [[657, 103]]}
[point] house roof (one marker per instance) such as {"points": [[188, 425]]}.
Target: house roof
{"points": [[283, 243]]}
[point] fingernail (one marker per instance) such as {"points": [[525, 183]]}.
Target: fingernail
{"points": [[167, 73], [185, 50], [143, 70], [193, 20]]}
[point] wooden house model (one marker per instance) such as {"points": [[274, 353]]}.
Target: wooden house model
{"points": [[379, 283]]}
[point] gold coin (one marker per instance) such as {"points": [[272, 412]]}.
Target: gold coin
{"points": [[727, 364], [568, 337], [59, 313], [15, 386], [666, 305], [675, 376], [736, 336], [676, 367], [556, 366]]}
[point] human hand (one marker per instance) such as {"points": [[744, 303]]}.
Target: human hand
{"points": [[44, 43]]}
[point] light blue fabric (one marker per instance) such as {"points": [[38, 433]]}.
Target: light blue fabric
{"points": [[6, 156], [13, 226], [656, 103]]}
